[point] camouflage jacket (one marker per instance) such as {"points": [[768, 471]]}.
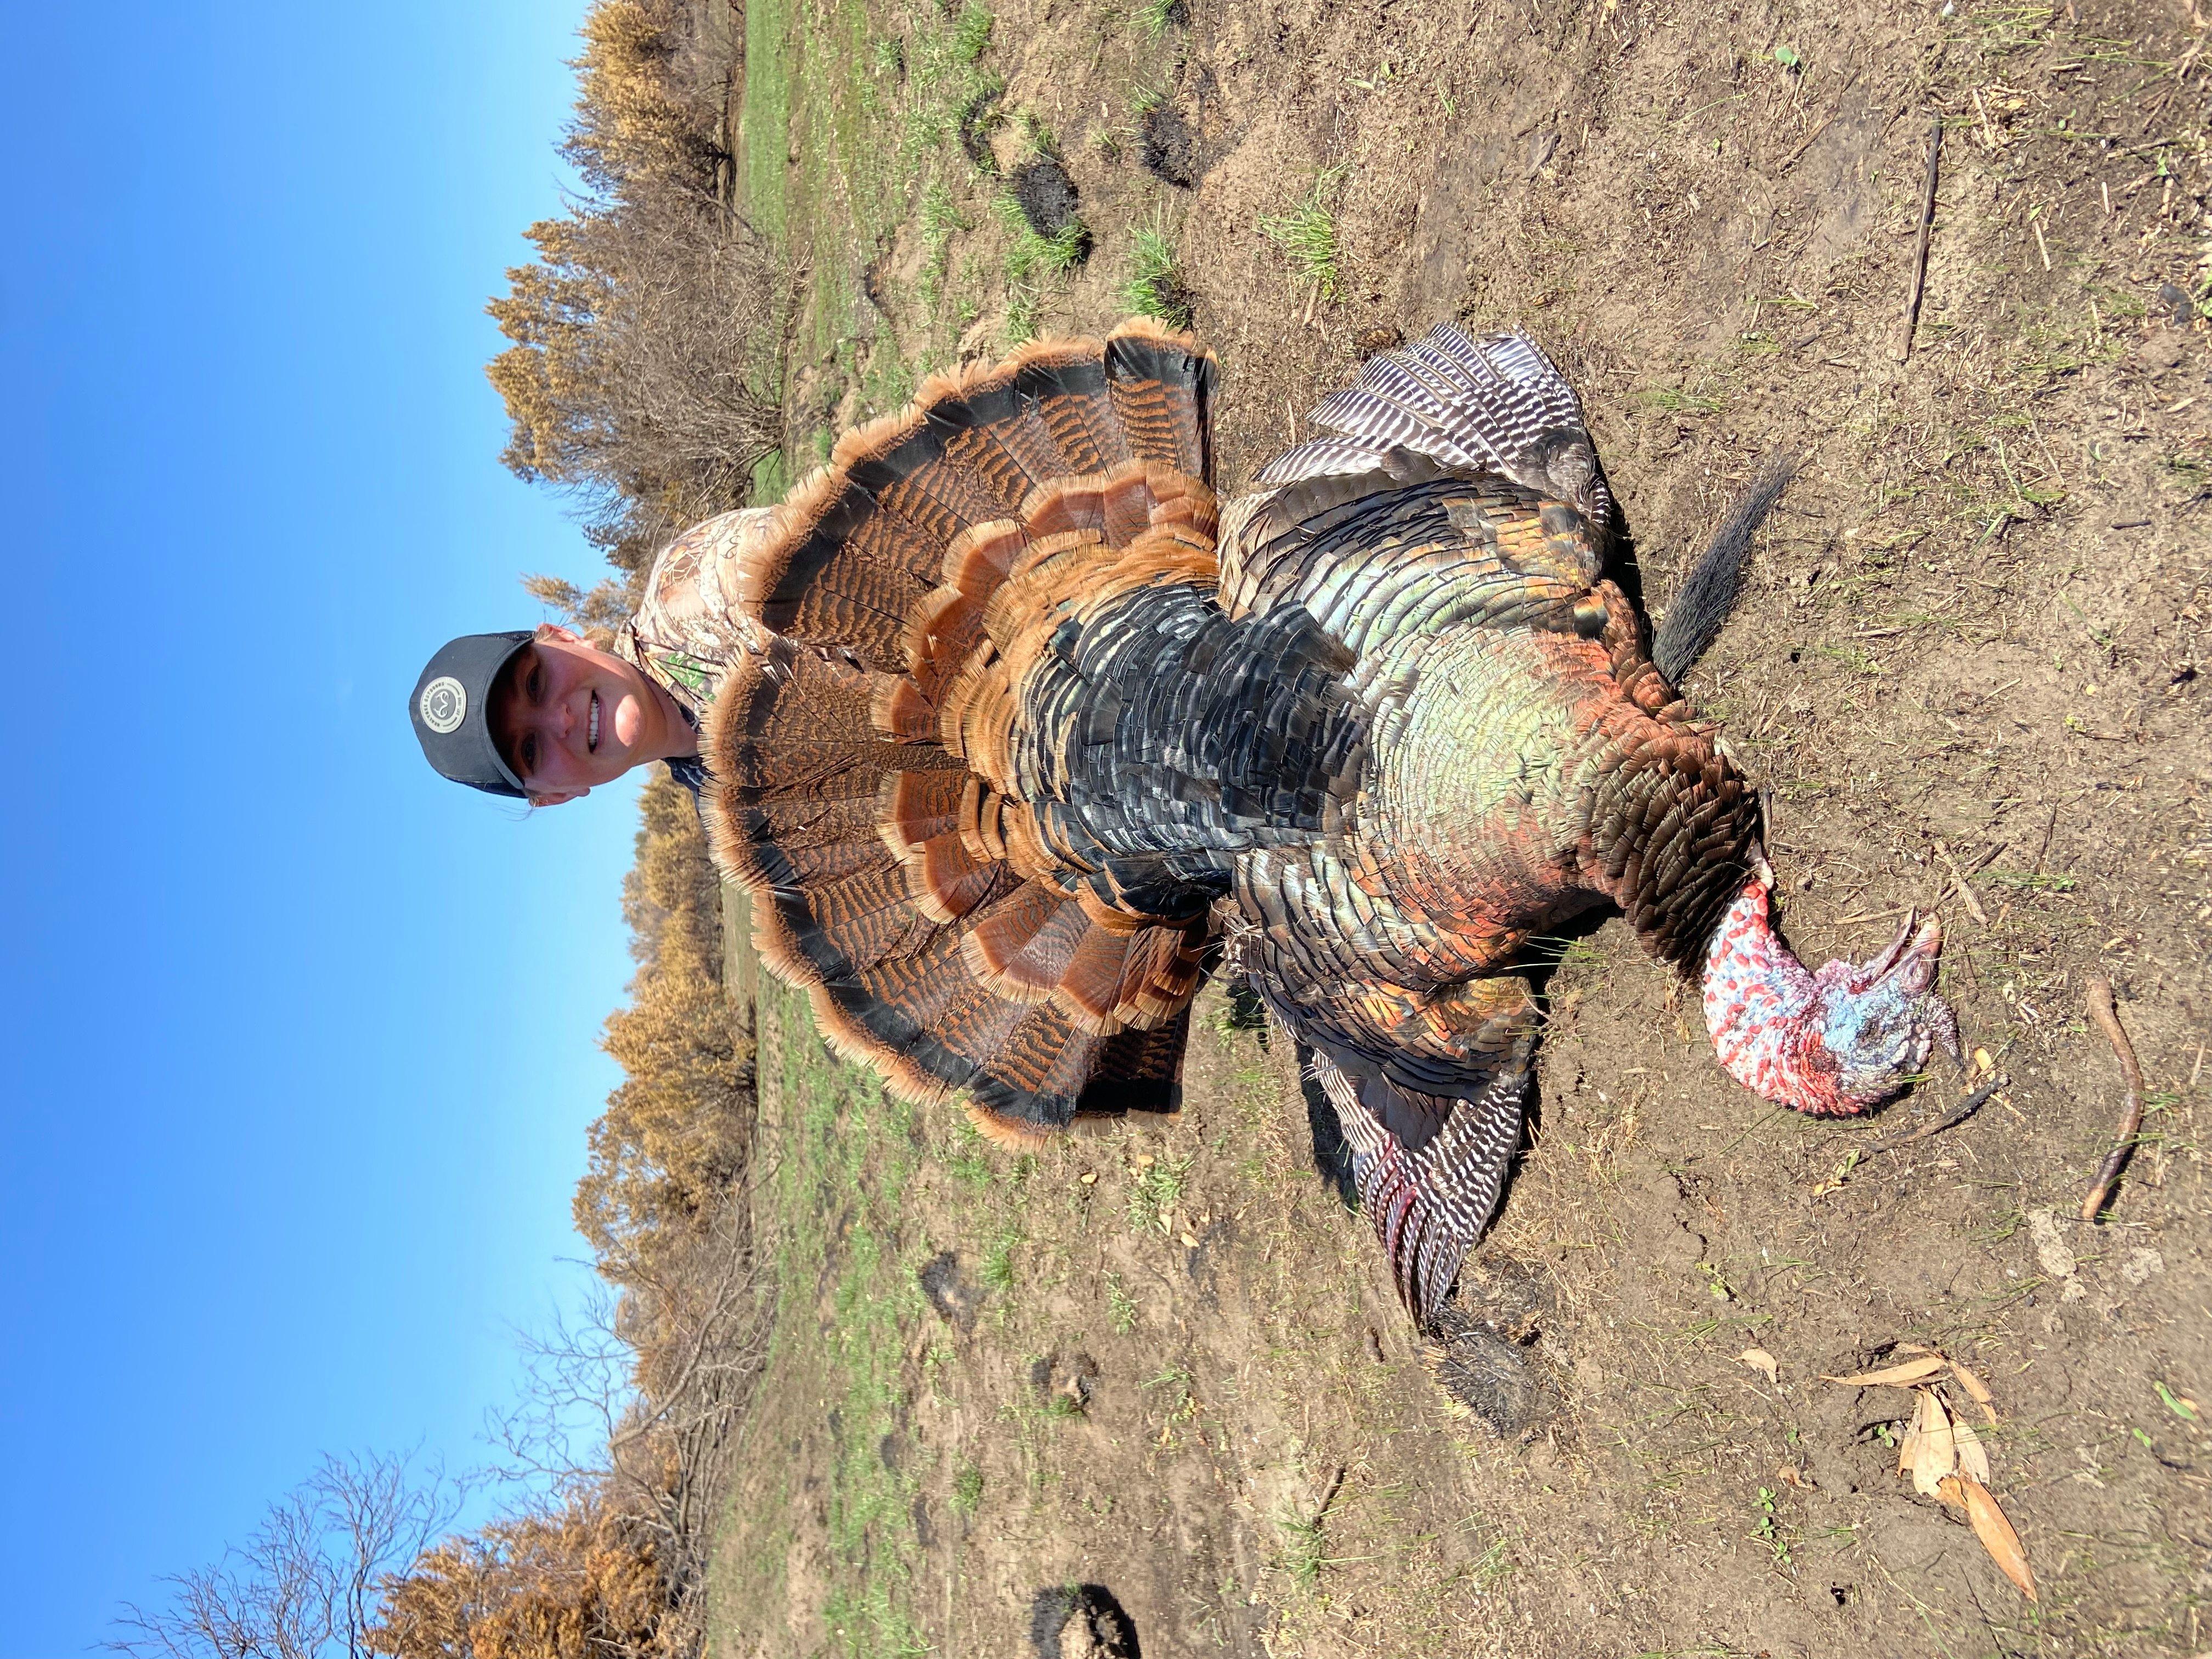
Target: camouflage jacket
{"points": [[696, 622]]}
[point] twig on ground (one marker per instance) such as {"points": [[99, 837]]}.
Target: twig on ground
{"points": [[1957, 1114], [1920, 248], [1328, 1493], [1872, 915], [1965, 891], [1804, 144], [2124, 1141]]}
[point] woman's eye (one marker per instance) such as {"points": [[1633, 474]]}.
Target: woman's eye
{"points": [[537, 686], [529, 753]]}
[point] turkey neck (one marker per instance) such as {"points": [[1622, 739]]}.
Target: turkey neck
{"points": [[1671, 831], [1757, 996]]}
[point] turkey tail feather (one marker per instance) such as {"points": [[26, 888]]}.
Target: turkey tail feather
{"points": [[858, 781]]}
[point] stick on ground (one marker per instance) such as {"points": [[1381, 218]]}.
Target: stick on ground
{"points": [[1920, 248], [2124, 1141], [1957, 1114]]}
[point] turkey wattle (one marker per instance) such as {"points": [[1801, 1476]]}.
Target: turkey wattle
{"points": [[1032, 727]]}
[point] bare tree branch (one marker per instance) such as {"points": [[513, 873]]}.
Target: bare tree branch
{"points": [[305, 1584]]}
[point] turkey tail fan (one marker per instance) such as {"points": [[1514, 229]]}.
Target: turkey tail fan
{"points": [[1697, 612], [1496, 405], [857, 783]]}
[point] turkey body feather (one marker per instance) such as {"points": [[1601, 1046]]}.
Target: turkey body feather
{"points": [[1036, 727]]}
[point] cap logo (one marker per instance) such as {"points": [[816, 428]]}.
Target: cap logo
{"points": [[445, 704]]}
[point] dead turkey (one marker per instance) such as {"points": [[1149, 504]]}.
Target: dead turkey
{"points": [[1034, 727]]}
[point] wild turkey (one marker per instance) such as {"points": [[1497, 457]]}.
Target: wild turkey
{"points": [[1034, 730]]}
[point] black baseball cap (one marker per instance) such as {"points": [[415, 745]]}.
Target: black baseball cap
{"points": [[451, 710]]}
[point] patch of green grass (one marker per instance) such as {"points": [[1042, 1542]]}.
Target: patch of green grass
{"points": [[845, 1158], [941, 217], [1121, 1306], [2021, 882], [1490, 1567], [967, 1490], [1024, 306], [940, 214], [1156, 18], [764, 126], [997, 1271], [1680, 400], [1155, 287], [1030, 255], [1305, 1551], [1156, 1193], [1306, 235], [971, 33]]}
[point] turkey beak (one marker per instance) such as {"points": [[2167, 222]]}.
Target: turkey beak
{"points": [[1918, 958], [1911, 964], [1882, 967], [1912, 959]]}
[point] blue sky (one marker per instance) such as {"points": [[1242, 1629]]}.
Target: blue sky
{"points": [[301, 1040]]}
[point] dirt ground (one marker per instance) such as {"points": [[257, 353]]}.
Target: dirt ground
{"points": [[1972, 667]]}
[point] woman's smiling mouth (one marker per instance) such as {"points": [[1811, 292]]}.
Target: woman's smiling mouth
{"points": [[592, 732]]}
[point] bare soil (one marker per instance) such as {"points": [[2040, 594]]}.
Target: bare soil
{"points": [[1972, 667]]}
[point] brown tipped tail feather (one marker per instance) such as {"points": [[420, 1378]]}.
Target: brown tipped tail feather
{"points": [[874, 781]]}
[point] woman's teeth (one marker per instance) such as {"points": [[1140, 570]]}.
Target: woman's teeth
{"points": [[592, 735]]}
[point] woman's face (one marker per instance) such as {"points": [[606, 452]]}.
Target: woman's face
{"points": [[569, 717]]}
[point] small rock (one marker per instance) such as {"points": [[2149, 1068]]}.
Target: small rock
{"points": [[2178, 304]]}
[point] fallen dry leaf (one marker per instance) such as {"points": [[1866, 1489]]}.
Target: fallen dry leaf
{"points": [[1790, 1475], [1990, 1526], [1895, 1377], [1089, 1177], [1935, 1446], [1914, 1347], [1760, 1359], [1973, 1459], [1977, 1390]]}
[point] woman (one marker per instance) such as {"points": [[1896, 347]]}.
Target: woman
{"points": [[548, 715]]}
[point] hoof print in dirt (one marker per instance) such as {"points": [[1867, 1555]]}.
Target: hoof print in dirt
{"points": [[1486, 1374], [1081, 1622], [1046, 195], [1064, 1385], [978, 116], [1167, 148], [955, 1299]]}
